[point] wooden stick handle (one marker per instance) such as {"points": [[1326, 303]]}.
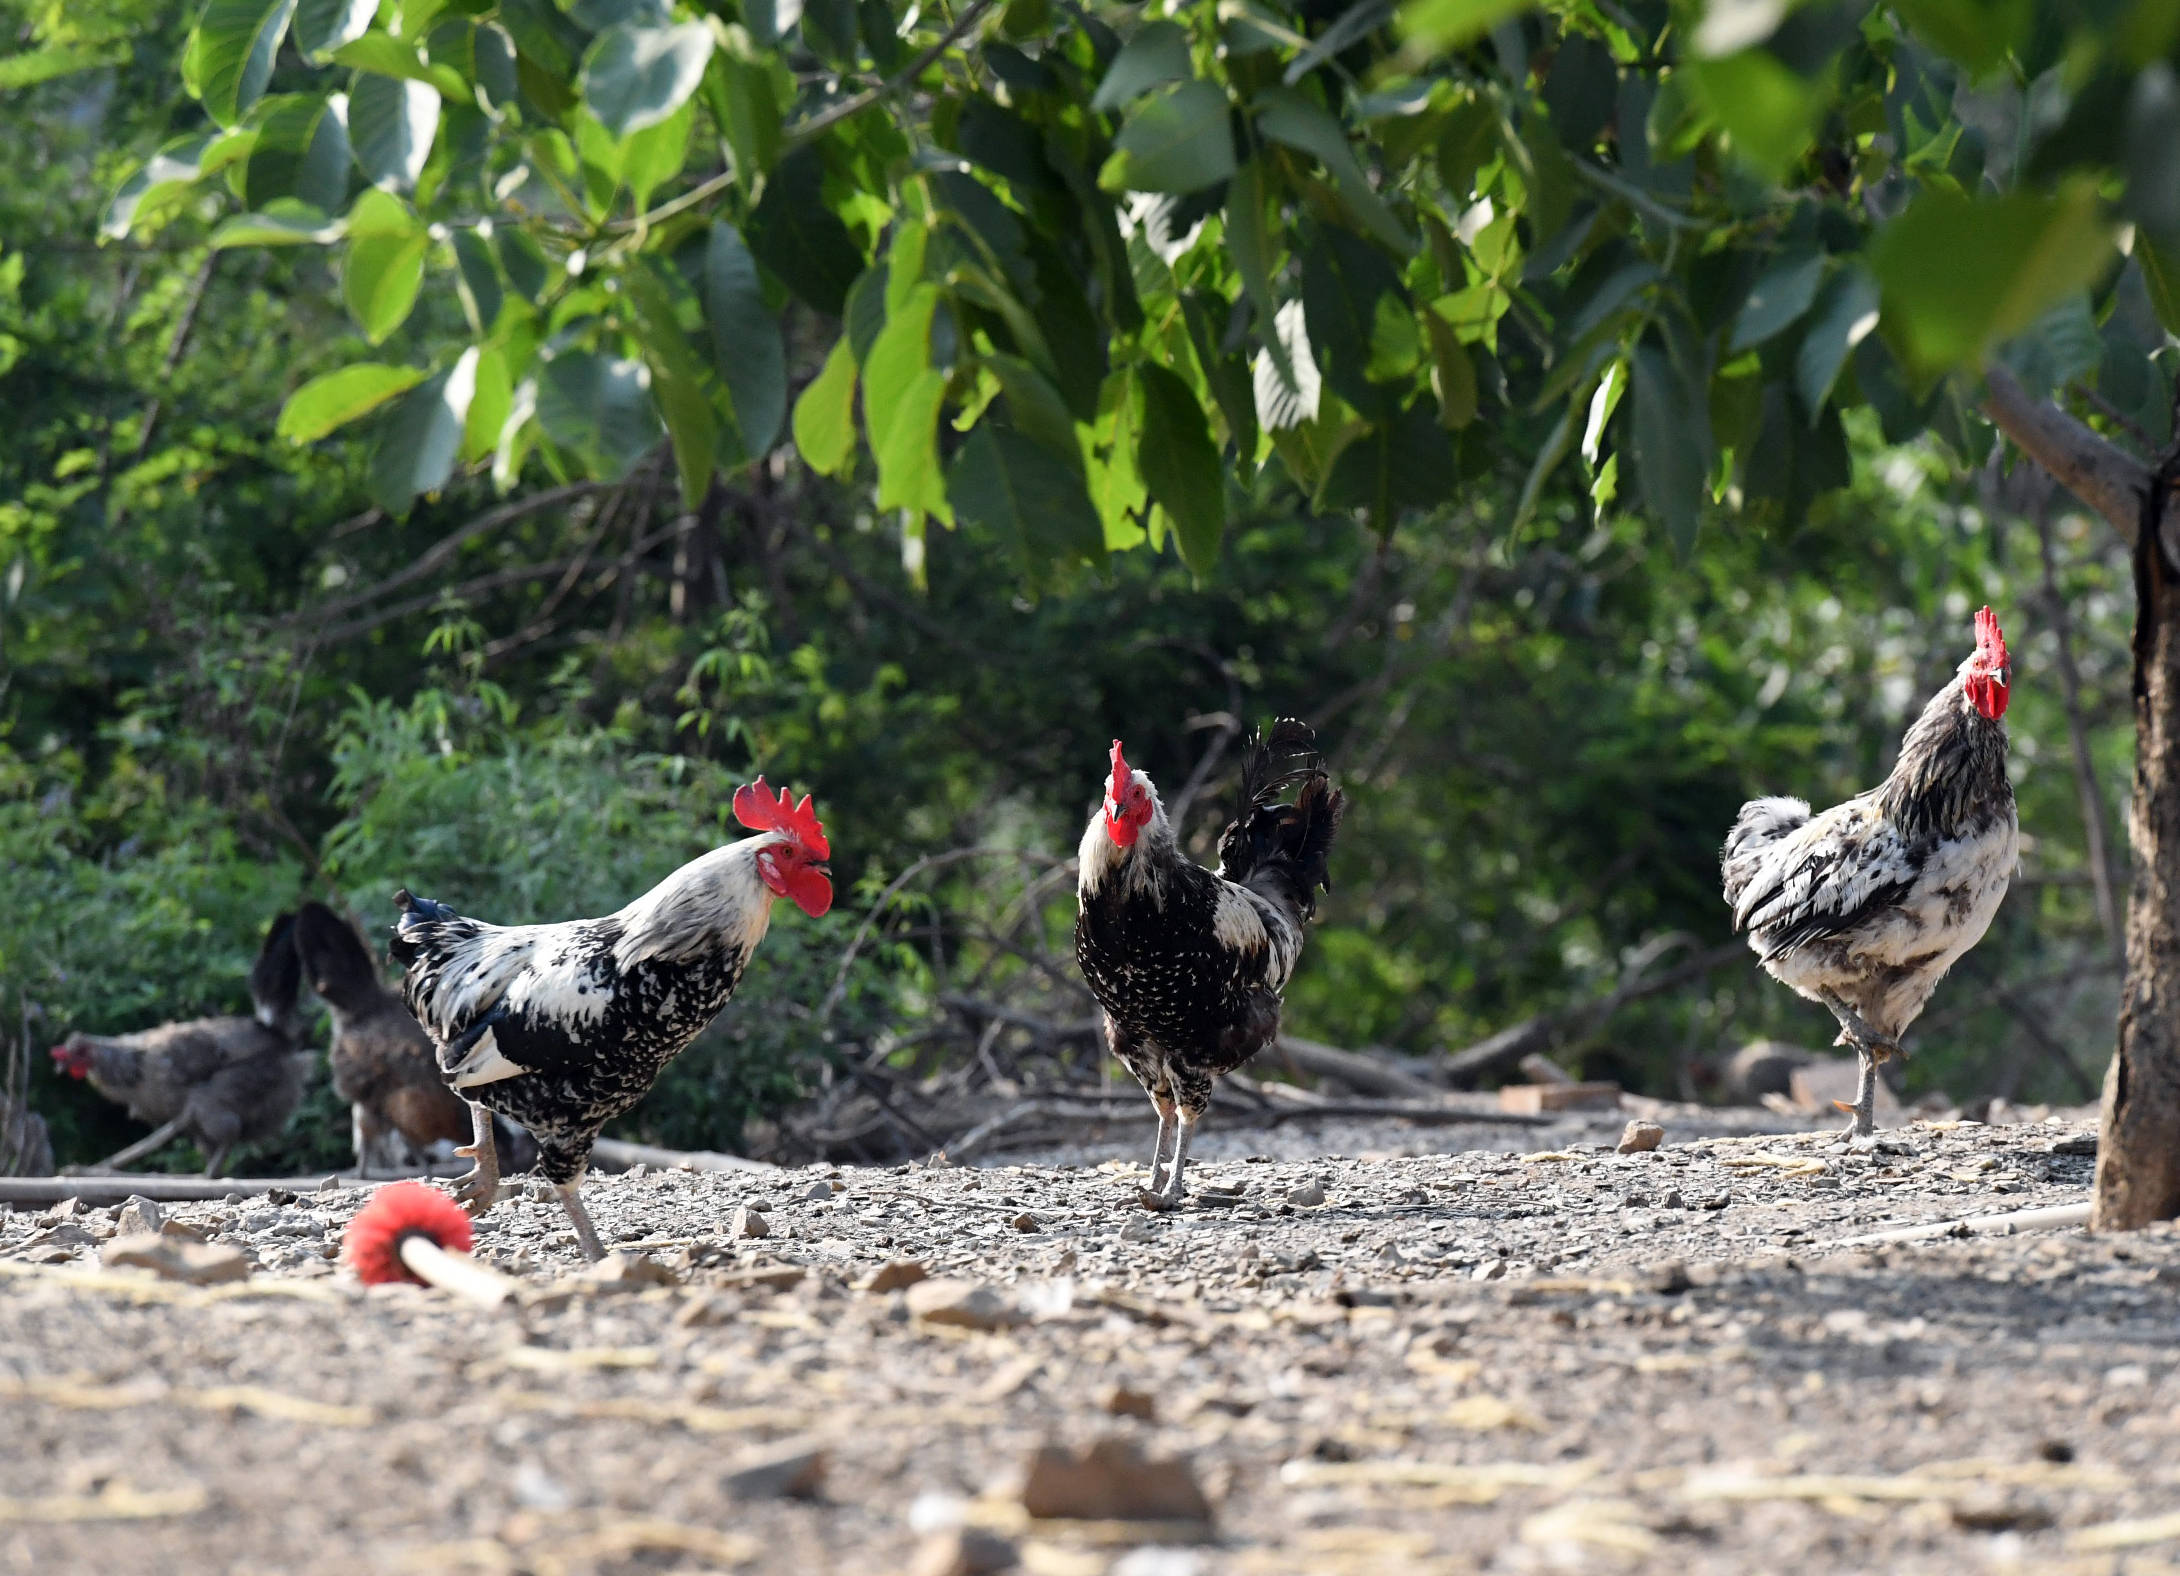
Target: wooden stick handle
{"points": [[455, 1272]]}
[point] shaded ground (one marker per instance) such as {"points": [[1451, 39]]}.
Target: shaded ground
{"points": [[1459, 1361]]}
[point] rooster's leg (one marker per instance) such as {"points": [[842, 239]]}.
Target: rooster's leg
{"points": [[1162, 1146], [571, 1199], [1864, 1110], [480, 1189], [1871, 1046], [1184, 1128]]}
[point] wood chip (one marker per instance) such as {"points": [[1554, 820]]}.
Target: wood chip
{"points": [[115, 1502]]}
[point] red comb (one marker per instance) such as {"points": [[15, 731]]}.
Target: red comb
{"points": [[1988, 638], [396, 1210], [1120, 775], [756, 809]]}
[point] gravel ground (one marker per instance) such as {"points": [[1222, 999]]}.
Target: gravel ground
{"points": [[1485, 1349]]}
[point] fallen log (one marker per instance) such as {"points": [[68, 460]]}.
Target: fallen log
{"points": [[171, 1188], [2049, 1217], [1363, 1074], [614, 1154]]}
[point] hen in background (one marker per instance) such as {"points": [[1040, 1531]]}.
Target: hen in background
{"points": [[382, 1061], [218, 1081], [1865, 906]]}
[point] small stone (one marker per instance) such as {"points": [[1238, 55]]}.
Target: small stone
{"points": [[699, 1311], [628, 1272], [793, 1469], [1138, 1230], [1670, 1279], [1306, 1196], [748, 1223], [177, 1259], [639, 1171], [966, 1304], [817, 1192], [280, 1195], [896, 1275], [964, 1551], [1121, 1401], [1112, 1480], [1640, 1137], [1025, 1222]]}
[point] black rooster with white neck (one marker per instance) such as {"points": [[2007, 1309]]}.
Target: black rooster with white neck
{"points": [[564, 1027], [1189, 965]]}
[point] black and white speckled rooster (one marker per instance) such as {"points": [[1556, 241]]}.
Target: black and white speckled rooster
{"points": [[1864, 907], [1190, 966], [564, 1027]]}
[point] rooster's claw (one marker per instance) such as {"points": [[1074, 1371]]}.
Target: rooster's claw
{"points": [[1155, 1201]]}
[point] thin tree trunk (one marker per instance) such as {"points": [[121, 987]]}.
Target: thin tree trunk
{"points": [[2138, 1148], [2104, 878]]}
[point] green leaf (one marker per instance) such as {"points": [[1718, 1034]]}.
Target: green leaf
{"points": [[1977, 33], [1769, 114], [322, 26], [751, 356], [230, 53], [386, 56], [488, 406], [793, 233], [1961, 273], [1406, 463], [1433, 27], [1249, 239], [599, 409], [655, 155], [29, 69], [693, 427], [478, 279], [301, 152], [635, 76], [2161, 276], [151, 196], [1022, 493], [901, 395], [1844, 316], [746, 104], [1287, 116], [825, 413], [1180, 465], [1672, 447], [284, 222], [416, 452], [1156, 55], [1781, 296], [1035, 408], [1116, 485], [338, 398], [391, 124], [1343, 277], [385, 264], [1453, 373], [1179, 140]]}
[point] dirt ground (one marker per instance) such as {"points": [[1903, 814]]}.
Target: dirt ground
{"points": [[1486, 1349]]}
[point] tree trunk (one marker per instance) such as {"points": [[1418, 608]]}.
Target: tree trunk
{"points": [[2138, 1146]]}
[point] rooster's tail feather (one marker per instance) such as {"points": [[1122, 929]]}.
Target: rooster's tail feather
{"points": [[276, 978], [1756, 831], [340, 967]]}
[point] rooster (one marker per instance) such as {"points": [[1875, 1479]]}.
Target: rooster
{"points": [[1864, 907], [564, 1027], [219, 1081], [1190, 966], [382, 1061]]}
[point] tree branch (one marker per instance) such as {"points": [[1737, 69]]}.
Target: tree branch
{"points": [[2101, 475]]}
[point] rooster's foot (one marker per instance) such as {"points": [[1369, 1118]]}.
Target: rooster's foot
{"points": [[479, 1190], [1157, 1199]]}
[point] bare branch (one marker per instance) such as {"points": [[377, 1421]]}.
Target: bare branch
{"points": [[2101, 475]]}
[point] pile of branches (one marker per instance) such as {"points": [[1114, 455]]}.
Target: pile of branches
{"points": [[1009, 1051]]}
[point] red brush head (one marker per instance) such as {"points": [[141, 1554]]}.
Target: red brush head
{"points": [[1128, 802], [794, 869], [397, 1210], [1988, 675]]}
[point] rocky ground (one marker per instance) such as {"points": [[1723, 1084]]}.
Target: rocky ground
{"points": [[1452, 1349]]}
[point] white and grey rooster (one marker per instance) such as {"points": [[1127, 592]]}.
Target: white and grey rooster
{"points": [[564, 1027], [1864, 907]]}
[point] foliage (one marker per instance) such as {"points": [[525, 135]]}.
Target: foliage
{"points": [[1157, 265]]}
